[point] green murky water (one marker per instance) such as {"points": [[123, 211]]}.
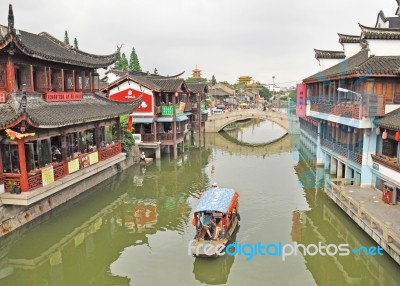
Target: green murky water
{"points": [[134, 229]]}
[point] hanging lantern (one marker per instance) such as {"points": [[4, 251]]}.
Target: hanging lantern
{"points": [[384, 135], [378, 131], [397, 136]]}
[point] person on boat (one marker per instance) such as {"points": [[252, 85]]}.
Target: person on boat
{"points": [[142, 158], [206, 222], [214, 185], [218, 228]]}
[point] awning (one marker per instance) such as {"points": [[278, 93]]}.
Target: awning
{"points": [[188, 113], [170, 118], [143, 119]]}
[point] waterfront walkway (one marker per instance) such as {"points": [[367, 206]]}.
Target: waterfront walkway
{"points": [[365, 206]]}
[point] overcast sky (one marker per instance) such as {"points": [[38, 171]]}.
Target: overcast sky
{"points": [[225, 38]]}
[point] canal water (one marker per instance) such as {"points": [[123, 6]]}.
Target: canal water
{"points": [[134, 229]]}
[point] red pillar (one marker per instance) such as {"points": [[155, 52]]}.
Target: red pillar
{"points": [[22, 166], [10, 75], [174, 96]]}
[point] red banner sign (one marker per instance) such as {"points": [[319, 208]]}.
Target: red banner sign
{"points": [[301, 100], [63, 96]]}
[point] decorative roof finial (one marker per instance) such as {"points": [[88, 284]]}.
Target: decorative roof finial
{"points": [[398, 8], [10, 18]]}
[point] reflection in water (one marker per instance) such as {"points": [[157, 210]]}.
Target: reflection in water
{"points": [[214, 271], [326, 223], [134, 228], [255, 131]]}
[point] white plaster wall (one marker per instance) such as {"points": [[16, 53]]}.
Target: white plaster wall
{"points": [[327, 63], [389, 173], [384, 47], [350, 49], [391, 107], [129, 84]]}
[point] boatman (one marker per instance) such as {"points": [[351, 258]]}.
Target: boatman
{"points": [[206, 222]]}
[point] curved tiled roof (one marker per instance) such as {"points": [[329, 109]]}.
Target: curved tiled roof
{"points": [[198, 87], [321, 54], [46, 47], [379, 33], [390, 121], [360, 64], [153, 82], [56, 114], [345, 39]]}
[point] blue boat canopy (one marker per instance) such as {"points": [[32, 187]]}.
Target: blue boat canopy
{"points": [[215, 199]]}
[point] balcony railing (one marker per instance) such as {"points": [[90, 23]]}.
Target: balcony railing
{"points": [[342, 150], [309, 131], [162, 136], [389, 162], [343, 109]]}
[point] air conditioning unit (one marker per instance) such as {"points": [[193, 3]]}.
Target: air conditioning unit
{"points": [[137, 138]]}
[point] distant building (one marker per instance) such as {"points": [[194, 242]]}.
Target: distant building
{"points": [[244, 79], [196, 73]]}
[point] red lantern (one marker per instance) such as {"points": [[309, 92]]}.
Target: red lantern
{"points": [[397, 136], [384, 135]]}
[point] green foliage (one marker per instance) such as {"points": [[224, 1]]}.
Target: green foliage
{"points": [[134, 64], [66, 38], [213, 80], [122, 63], [292, 95], [76, 44], [155, 71], [265, 93], [127, 138]]}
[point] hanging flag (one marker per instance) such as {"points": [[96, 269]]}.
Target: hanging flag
{"points": [[130, 121], [301, 100], [13, 134]]}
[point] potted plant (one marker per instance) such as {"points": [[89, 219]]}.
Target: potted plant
{"points": [[17, 189], [12, 185]]}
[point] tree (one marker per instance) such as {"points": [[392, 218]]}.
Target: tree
{"points": [[66, 38], [122, 63], [265, 93], [155, 71], [213, 80], [76, 44], [134, 64]]}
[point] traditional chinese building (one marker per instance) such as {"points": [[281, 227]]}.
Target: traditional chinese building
{"points": [[170, 107], [354, 102], [53, 123]]}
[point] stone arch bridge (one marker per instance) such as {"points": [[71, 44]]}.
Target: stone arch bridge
{"points": [[217, 122]]}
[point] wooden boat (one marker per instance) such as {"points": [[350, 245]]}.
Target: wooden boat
{"points": [[147, 162], [222, 204]]}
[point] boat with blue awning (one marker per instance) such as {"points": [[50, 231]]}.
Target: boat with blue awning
{"points": [[216, 217]]}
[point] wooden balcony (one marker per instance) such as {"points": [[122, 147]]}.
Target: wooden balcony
{"points": [[344, 109], [389, 162], [165, 138]]}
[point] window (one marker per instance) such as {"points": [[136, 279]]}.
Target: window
{"points": [[10, 157]]}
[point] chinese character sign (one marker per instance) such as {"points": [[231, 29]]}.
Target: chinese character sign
{"points": [[301, 100], [47, 175]]}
